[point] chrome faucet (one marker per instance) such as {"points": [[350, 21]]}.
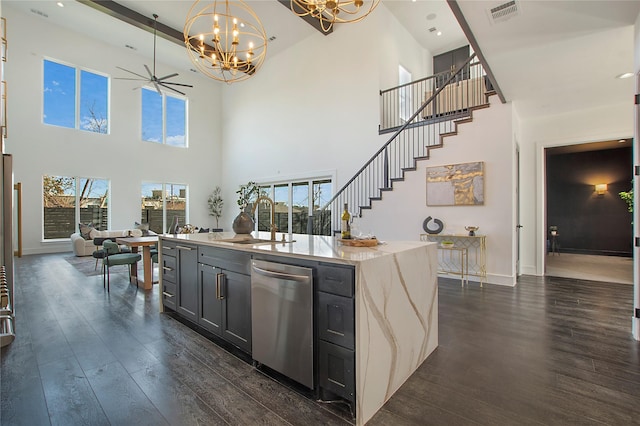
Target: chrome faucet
{"points": [[272, 227]]}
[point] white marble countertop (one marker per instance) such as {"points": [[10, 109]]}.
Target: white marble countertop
{"points": [[319, 247]]}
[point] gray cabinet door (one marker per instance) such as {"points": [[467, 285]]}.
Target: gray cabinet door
{"points": [[187, 285], [236, 309], [209, 284]]}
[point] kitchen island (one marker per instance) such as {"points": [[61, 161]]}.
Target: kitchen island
{"points": [[376, 310]]}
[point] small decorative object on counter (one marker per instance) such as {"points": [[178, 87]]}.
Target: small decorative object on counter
{"points": [[173, 229], [244, 223], [446, 244], [472, 230], [345, 228]]}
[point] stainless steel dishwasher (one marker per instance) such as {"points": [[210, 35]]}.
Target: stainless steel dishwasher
{"points": [[282, 319]]}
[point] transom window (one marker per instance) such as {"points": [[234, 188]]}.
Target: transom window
{"points": [[68, 201], [164, 118], [75, 98], [161, 202]]}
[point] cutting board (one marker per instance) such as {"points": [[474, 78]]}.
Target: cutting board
{"points": [[371, 242]]}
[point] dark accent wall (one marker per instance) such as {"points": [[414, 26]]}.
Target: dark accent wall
{"points": [[589, 223]]}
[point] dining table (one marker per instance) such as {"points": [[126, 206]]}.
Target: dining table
{"points": [[146, 243]]}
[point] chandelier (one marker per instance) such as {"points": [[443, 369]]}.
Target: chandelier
{"points": [[329, 12], [225, 39]]}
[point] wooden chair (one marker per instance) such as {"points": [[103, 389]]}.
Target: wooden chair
{"points": [[114, 257]]}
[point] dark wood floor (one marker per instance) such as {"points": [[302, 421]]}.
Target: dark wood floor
{"points": [[550, 351]]}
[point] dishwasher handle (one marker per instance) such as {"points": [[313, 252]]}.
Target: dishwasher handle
{"points": [[280, 275]]}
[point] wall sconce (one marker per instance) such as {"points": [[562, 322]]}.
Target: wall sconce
{"points": [[601, 188]]}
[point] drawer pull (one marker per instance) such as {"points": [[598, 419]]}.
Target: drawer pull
{"points": [[167, 248], [335, 332], [165, 294], [167, 268], [184, 248]]}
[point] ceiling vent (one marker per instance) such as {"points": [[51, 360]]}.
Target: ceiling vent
{"points": [[504, 12]]}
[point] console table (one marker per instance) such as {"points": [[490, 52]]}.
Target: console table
{"points": [[472, 259]]}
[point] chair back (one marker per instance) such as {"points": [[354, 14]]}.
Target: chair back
{"points": [[110, 247]]}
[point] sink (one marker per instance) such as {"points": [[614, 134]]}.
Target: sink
{"points": [[251, 241], [247, 241]]}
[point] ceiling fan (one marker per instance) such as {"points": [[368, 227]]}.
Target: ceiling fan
{"points": [[157, 82]]}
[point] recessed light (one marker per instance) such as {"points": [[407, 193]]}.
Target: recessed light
{"points": [[625, 75], [60, 4], [439, 33]]}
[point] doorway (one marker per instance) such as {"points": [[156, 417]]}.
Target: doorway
{"points": [[588, 226]]}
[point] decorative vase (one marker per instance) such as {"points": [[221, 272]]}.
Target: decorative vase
{"points": [[173, 229], [243, 223]]}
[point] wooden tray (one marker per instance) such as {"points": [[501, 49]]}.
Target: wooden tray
{"points": [[359, 243]]}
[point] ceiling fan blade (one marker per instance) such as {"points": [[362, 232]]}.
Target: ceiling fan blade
{"points": [[157, 87], [134, 79], [177, 84], [134, 73], [168, 76], [151, 76], [171, 88]]}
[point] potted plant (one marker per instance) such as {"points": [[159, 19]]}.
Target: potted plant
{"points": [[215, 206], [246, 194], [243, 223]]}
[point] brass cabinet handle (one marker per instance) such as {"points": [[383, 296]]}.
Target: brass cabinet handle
{"points": [[219, 284], [167, 248], [167, 294], [184, 248], [167, 268]]}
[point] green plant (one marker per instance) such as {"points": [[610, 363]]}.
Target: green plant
{"points": [[215, 204], [628, 198], [246, 194]]}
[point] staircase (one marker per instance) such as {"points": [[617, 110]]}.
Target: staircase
{"points": [[418, 115]]}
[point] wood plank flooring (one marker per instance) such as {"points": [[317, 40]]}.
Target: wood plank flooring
{"points": [[551, 351]]}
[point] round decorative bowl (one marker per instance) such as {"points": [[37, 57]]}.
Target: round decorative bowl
{"points": [[446, 244]]}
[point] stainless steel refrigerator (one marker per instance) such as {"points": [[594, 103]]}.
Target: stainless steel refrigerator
{"points": [[7, 307]]}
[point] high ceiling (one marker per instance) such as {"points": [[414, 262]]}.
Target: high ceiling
{"points": [[551, 58]]}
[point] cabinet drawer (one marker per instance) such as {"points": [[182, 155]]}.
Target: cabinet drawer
{"points": [[336, 280], [336, 319], [168, 248], [336, 370], [169, 294], [230, 260], [168, 268]]}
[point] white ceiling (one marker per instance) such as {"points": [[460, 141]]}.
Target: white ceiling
{"points": [[555, 56]]}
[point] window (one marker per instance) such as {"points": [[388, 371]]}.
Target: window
{"points": [[404, 77], [75, 98], [293, 202], [164, 118], [68, 201], [161, 202]]}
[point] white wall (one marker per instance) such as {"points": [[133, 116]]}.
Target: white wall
{"points": [[121, 156], [315, 107], [400, 214]]}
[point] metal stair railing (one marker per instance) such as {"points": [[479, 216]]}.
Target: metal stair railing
{"points": [[451, 97]]}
